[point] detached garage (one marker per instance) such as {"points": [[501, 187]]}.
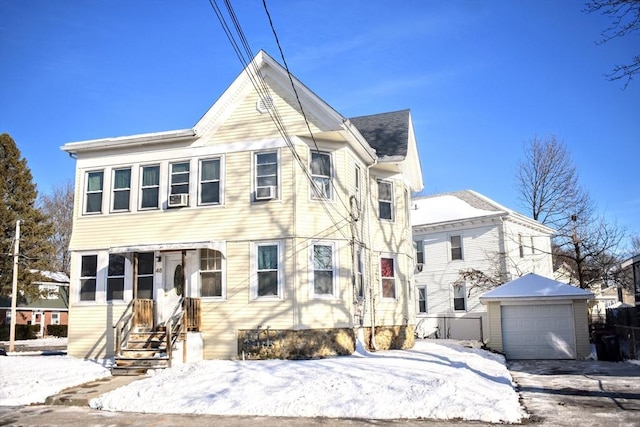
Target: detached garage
{"points": [[535, 317]]}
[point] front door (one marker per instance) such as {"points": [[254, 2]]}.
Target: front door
{"points": [[173, 288]]}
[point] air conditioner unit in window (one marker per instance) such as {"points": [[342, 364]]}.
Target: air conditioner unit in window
{"points": [[178, 200], [266, 193]]}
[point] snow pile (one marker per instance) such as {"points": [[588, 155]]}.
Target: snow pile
{"points": [[430, 381], [31, 379]]}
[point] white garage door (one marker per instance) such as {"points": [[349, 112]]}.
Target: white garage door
{"points": [[543, 331]]}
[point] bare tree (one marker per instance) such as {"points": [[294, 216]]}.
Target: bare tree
{"points": [[547, 181], [625, 17], [58, 208]]}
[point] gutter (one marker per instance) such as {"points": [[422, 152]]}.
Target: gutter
{"points": [[128, 141]]}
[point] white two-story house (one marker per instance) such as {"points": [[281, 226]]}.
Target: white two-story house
{"points": [[465, 244], [271, 228]]}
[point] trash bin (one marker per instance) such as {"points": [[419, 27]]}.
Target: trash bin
{"points": [[608, 347]]}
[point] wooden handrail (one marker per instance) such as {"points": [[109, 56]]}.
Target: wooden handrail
{"points": [[120, 326]]}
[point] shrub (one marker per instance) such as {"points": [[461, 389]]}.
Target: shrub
{"points": [[57, 330]]}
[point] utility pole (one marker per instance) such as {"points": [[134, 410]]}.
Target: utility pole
{"points": [[14, 288]]}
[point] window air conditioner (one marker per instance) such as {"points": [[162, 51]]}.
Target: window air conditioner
{"points": [[266, 193], [178, 200]]}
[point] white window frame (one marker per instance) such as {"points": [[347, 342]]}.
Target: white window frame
{"points": [[386, 201], [172, 174], [254, 271], [122, 276], [316, 191], [115, 190], [256, 176], [223, 284], [451, 247], [520, 246], [360, 266], [82, 278], [423, 289], [419, 251], [358, 184], [394, 258], [87, 192], [334, 270], [146, 275], [458, 287], [219, 180], [148, 187]]}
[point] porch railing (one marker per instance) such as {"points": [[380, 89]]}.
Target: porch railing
{"points": [[143, 313], [192, 314]]}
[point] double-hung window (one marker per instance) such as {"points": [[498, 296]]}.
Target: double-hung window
{"points": [[422, 299], [149, 187], [88, 275], [266, 175], [210, 273], [359, 274], [385, 200], [210, 181], [419, 252], [115, 278], [145, 275], [324, 273], [180, 178], [267, 264], [456, 247], [94, 192], [459, 297], [121, 189], [388, 277], [321, 175]]}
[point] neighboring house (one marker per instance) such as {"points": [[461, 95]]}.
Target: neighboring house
{"points": [[609, 297], [50, 308], [465, 231], [632, 265], [265, 239]]}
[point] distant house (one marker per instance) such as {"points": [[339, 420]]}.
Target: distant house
{"points": [[632, 266], [465, 244], [269, 229], [50, 308]]}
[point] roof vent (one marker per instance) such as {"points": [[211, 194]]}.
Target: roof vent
{"points": [[264, 104]]}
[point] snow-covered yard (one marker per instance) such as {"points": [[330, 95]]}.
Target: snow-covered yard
{"points": [[433, 380]]}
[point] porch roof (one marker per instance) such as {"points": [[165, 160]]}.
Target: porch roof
{"points": [[178, 246]]}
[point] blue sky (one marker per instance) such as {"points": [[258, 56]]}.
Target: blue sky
{"points": [[480, 77]]}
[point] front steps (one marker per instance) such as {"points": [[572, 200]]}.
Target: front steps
{"points": [[144, 350]]}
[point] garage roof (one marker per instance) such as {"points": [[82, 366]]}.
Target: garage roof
{"points": [[534, 287]]}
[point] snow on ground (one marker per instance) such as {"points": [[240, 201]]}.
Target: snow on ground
{"points": [[31, 379], [433, 380]]}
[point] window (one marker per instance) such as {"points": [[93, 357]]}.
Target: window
{"points": [[419, 251], [520, 246], [385, 200], [459, 297], [210, 181], [359, 274], [456, 247], [180, 178], [422, 299], [388, 275], [145, 275], [88, 274], [533, 246], [210, 273], [266, 174], [94, 192], [115, 278], [121, 189], [268, 280], [55, 318], [323, 270], [357, 184], [321, 175], [149, 187]]}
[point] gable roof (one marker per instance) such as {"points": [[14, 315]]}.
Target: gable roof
{"points": [[463, 206], [534, 287], [387, 133]]}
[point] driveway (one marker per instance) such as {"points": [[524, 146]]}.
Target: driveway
{"points": [[579, 392]]}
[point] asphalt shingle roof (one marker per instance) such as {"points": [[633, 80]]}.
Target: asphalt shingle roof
{"points": [[387, 133]]}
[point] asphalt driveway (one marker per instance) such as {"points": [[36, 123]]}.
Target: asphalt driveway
{"points": [[579, 392]]}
